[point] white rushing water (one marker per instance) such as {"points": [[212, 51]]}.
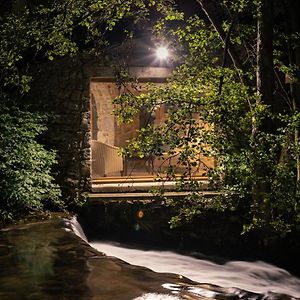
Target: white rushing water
{"points": [[76, 227], [259, 277]]}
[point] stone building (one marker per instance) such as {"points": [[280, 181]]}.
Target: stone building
{"points": [[78, 93]]}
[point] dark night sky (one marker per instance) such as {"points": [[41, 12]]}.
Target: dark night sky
{"points": [[189, 7], [144, 46]]}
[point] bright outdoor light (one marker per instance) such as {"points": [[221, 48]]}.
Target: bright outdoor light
{"points": [[162, 52]]}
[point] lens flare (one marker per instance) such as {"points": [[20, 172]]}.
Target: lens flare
{"points": [[162, 52], [140, 214]]}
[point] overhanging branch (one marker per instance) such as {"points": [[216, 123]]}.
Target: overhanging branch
{"points": [[209, 8]]}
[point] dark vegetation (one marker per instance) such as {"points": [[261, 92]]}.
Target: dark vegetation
{"points": [[32, 33], [234, 96], [212, 233]]}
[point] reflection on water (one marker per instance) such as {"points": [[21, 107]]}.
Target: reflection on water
{"points": [[149, 296], [258, 277], [47, 261], [40, 261]]}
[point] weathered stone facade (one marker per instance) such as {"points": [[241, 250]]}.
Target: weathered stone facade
{"points": [[62, 88]]}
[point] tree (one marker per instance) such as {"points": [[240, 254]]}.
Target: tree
{"points": [[232, 78], [33, 32]]}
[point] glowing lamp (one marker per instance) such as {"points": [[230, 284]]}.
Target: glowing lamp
{"points": [[162, 52]]}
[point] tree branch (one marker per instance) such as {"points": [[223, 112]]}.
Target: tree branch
{"points": [[209, 8]]}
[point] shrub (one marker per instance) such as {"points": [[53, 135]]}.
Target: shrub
{"points": [[26, 182]]}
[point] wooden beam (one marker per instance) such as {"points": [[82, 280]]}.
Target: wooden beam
{"points": [[103, 197], [140, 80], [146, 178]]}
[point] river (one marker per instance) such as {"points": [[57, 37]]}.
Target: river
{"points": [[256, 276], [45, 260], [253, 276]]}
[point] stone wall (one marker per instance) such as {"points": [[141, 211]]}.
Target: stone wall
{"points": [[102, 94], [62, 88]]}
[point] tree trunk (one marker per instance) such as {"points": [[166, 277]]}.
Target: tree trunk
{"points": [[265, 68], [265, 89], [18, 6], [294, 58]]}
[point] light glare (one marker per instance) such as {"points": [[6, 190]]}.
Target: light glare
{"points": [[162, 52]]}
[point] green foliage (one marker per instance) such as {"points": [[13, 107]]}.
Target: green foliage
{"points": [[26, 182], [211, 111], [34, 32], [44, 31]]}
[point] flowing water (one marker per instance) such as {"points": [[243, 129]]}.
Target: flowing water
{"points": [[47, 261], [257, 277]]}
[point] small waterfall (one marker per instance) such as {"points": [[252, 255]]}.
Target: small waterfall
{"points": [[76, 228]]}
